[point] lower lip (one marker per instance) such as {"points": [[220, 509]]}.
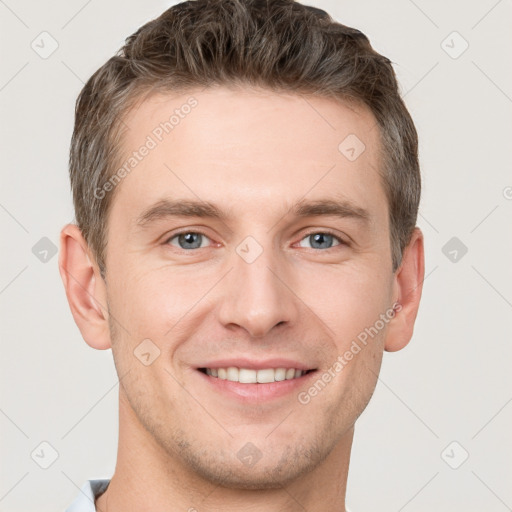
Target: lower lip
{"points": [[257, 392]]}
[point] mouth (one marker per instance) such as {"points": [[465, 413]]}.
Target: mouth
{"points": [[255, 376], [251, 382]]}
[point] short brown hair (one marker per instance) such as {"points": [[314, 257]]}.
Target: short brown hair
{"points": [[280, 45]]}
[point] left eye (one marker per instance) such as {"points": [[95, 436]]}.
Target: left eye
{"points": [[321, 241], [189, 240]]}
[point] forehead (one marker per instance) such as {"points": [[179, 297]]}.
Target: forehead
{"points": [[250, 148]]}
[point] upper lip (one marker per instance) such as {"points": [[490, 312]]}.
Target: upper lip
{"points": [[254, 364]]}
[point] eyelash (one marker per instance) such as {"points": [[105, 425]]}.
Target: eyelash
{"points": [[341, 241]]}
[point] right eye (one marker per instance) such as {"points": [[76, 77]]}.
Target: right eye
{"points": [[188, 240]]}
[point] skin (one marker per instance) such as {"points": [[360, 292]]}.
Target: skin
{"points": [[253, 153]]}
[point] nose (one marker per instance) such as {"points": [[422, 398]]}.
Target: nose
{"points": [[257, 295]]}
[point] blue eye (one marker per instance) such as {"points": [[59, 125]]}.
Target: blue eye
{"points": [[189, 240], [321, 240]]}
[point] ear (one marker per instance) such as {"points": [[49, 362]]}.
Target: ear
{"points": [[85, 289], [408, 286]]}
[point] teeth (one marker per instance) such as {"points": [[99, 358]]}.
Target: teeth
{"points": [[249, 376], [280, 374], [290, 373], [265, 376], [232, 374]]}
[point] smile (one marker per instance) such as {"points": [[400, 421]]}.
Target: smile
{"points": [[252, 376]]}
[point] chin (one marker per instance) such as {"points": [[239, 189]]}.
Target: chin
{"points": [[229, 472]]}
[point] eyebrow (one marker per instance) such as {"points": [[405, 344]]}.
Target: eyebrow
{"points": [[330, 208], [187, 208], [176, 208]]}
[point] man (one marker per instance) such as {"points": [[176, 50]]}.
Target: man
{"points": [[246, 184]]}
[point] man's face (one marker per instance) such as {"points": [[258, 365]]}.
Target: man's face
{"points": [[263, 287]]}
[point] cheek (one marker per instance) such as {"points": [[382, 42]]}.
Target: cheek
{"points": [[351, 304], [149, 309], [152, 303], [347, 299]]}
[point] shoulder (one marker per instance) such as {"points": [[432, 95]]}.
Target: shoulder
{"points": [[91, 490]]}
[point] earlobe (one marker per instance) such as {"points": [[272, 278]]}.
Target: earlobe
{"points": [[85, 289], [409, 284]]}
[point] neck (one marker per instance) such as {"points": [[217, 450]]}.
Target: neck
{"points": [[147, 478]]}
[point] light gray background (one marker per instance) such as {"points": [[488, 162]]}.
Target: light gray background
{"points": [[452, 383]]}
